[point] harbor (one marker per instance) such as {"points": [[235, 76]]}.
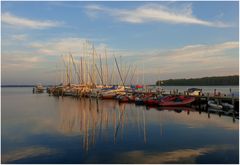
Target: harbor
{"points": [[56, 129], [90, 77], [120, 82]]}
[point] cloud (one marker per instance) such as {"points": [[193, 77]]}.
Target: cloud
{"points": [[16, 21], [11, 61], [187, 61], [155, 13], [19, 37], [191, 61], [77, 46], [204, 52]]}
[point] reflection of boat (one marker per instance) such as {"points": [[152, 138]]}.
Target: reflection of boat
{"points": [[227, 106], [38, 88], [128, 98], [177, 108], [220, 111], [214, 105], [176, 101]]}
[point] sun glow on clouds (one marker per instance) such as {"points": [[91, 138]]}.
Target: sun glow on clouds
{"points": [[16, 21], [27, 50], [154, 13], [189, 60]]}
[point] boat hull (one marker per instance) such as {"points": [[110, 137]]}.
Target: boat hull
{"points": [[176, 101]]}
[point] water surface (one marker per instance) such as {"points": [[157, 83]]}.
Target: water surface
{"points": [[37, 128]]}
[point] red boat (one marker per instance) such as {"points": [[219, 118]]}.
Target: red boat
{"points": [[176, 101], [127, 99], [152, 101]]}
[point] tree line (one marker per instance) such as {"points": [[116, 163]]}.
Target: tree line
{"points": [[205, 81]]}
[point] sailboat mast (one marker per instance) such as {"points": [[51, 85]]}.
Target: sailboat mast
{"points": [[93, 68], [101, 69], [106, 67], [119, 71]]}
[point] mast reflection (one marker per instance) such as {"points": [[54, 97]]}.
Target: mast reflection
{"points": [[95, 119], [107, 121]]}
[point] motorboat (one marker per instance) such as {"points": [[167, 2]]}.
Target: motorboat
{"points": [[176, 101]]}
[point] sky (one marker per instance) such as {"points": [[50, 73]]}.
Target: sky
{"points": [[163, 40]]}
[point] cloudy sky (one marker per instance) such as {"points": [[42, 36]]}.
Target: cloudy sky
{"points": [[163, 39]]}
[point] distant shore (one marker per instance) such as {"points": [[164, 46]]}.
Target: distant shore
{"points": [[204, 81]]}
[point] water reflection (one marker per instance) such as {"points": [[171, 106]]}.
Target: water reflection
{"points": [[95, 120], [178, 156], [39, 128], [22, 153]]}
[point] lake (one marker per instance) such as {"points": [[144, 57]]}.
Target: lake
{"points": [[37, 128]]}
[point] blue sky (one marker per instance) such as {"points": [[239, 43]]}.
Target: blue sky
{"points": [[163, 39]]}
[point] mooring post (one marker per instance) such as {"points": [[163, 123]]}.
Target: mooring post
{"points": [[207, 101], [199, 103], [233, 116], [233, 103]]}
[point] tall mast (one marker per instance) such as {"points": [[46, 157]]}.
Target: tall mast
{"points": [[106, 66], [99, 74], [75, 68], [125, 78], [119, 71], [93, 66], [82, 71], [70, 70], [101, 68], [131, 81]]}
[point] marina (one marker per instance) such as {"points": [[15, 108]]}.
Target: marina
{"points": [[100, 87], [57, 129], [120, 82]]}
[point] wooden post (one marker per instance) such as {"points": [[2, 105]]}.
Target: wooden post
{"points": [[207, 101], [233, 103]]}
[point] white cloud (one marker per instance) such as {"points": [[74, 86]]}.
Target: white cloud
{"points": [[192, 52], [188, 61], [19, 37], [16, 21], [76, 46], [155, 13], [18, 61], [194, 61]]}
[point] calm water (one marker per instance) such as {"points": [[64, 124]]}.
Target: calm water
{"points": [[42, 129]]}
